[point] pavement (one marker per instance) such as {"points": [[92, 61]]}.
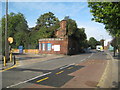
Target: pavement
{"points": [[8, 65], [110, 77]]}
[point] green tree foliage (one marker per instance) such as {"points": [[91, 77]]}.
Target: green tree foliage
{"points": [[81, 37], [17, 28], [92, 42], [76, 33], [46, 25], [107, 13], [47, 20], [71, 27]]}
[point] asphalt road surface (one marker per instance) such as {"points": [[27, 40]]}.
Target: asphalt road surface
{"points": [[53, 73]]}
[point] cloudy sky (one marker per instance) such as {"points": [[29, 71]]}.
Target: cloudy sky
{"points": [[77, 11]]}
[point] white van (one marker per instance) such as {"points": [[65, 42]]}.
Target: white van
{"points": [[99, 48]]}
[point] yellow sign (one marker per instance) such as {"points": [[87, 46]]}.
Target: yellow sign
{"points": [[10, 39]]}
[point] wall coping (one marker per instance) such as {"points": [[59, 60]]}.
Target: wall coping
{"points": [[50, 39]]}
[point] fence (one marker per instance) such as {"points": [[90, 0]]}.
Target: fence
{"points": [[31, 51]]}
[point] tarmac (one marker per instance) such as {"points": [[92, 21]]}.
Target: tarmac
{"points": [[25, 59], [109, 77]]}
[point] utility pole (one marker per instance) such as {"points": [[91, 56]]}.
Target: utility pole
{"points": [[6, 33]]}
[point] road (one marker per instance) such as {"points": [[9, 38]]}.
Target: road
{"points": [[51, 73]]}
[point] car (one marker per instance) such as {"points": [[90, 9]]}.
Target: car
{"points": [[99, 48]]}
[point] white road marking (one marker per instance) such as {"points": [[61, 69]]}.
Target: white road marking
{"points": [[67, 66], [45, 73], [28, 80], [86, 58]]}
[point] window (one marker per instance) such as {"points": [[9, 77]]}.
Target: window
{"points": [[43, 46], [49, 46], [39, 46]]}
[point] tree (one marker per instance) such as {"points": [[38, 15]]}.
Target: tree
{"points": [[76, 33], [71, 26], [92, 42], [46, 25], [17, 28], [47, 20], [107, 13]]}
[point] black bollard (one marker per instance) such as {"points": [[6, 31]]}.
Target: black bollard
{"points": [[14, 60]]}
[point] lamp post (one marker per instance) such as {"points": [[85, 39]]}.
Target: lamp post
{"points": [[6, 35]]}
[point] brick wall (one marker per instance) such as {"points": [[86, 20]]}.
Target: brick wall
{"points": [[63, 46], [61, 32]]}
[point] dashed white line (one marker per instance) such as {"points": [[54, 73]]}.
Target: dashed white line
{"points": [[86, 58], [28, 80]]}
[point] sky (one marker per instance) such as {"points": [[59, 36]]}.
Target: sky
{"points": [[77, 11]]}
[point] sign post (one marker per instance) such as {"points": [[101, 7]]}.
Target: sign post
{"points": [[20, 49]]}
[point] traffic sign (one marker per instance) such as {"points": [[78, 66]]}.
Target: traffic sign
{"points": [[10, 39]]}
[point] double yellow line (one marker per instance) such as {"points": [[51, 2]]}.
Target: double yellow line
{"points": [[10, 67]]}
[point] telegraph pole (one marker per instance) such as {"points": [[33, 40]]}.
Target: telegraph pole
{"points": [[6, 33]]}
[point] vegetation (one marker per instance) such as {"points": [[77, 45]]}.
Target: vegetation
{"points": [[46, 24], [76, 33], [45, 28], [17, 28], [107, 13], [92, 42]]}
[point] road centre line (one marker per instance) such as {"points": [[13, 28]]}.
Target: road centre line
{"points": [[42, 79], [60, 72], [28, 80]]}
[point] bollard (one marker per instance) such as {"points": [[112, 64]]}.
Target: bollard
{"points": [[4, 61], [14, 60], [10, 57]]}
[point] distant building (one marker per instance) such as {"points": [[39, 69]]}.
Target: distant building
{"points": [[59, 45], [107, 44]]}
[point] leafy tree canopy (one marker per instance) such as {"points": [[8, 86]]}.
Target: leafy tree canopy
{"points": [[17, 28], [107, 13], [47, 20], [92, 42]]}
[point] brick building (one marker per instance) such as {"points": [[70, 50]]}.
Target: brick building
{"points": [[59, 45]]}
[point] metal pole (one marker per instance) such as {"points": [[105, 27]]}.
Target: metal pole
{"points": [[4, 61], [6, 35]]}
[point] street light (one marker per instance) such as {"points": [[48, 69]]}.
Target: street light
{"points": [[6, 30]]}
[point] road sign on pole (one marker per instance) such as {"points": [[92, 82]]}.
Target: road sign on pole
{"points": [[10, 39], [6, 31]]}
